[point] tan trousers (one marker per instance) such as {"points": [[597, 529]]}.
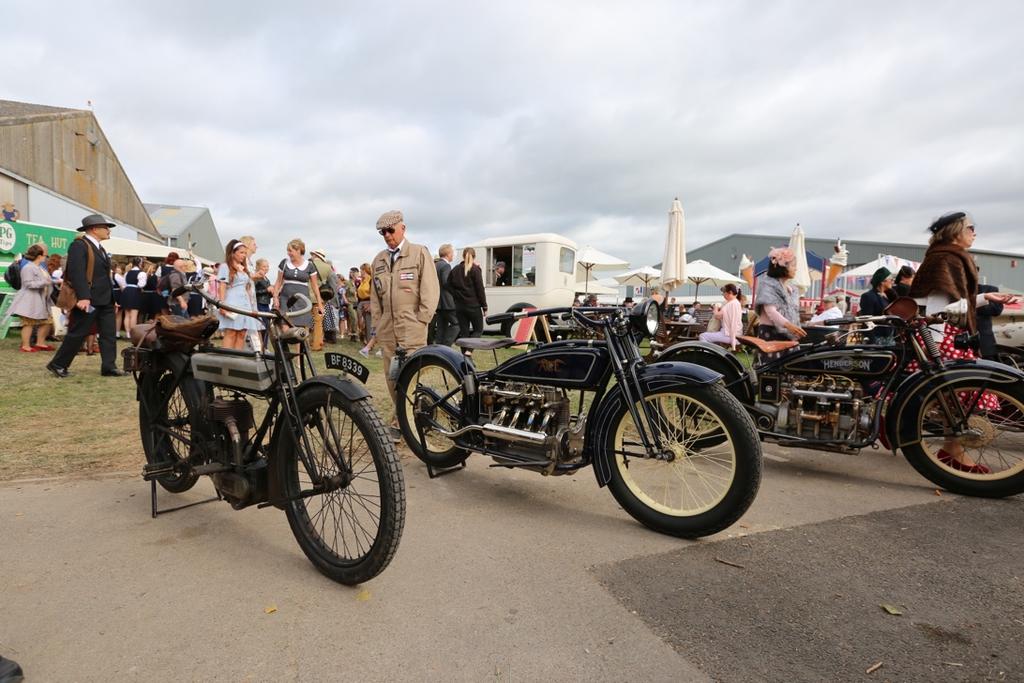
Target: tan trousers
{"points": [[387, 349], [317, 343]]}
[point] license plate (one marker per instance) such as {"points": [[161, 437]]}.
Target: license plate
{"points": [[339, 361]]}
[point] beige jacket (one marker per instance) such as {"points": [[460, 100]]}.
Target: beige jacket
{"points": [[403, 296]]}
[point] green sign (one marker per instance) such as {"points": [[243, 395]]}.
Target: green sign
{"points": [[16, 237]]}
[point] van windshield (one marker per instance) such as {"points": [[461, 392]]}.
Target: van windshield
{"points": [[512, 266]]}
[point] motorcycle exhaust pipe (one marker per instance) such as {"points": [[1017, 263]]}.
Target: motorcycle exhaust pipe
{"points": [[498, 432]]}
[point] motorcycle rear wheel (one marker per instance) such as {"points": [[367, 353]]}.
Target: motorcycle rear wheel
{"points": [[417, 391], [997, 444], [182, 410], [351, 533], [709, 483]]}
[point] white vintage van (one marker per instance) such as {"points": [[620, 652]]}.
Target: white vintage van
{"points": [[540, 272]]}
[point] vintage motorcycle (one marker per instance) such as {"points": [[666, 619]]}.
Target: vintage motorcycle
{"points": [[848, 389], [646, 435], [320, 451]]}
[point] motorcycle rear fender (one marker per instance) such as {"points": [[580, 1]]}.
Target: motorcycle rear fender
{"points": [[901, 418], [350, 389], [652, 377], [736, 379]]}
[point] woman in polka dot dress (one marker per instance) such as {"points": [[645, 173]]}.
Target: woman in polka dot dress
{"points": [[947, 282]]}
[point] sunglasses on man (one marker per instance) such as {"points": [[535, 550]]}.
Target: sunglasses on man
{"points": [[386, 231]]}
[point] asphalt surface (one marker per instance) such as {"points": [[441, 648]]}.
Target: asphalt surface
{"points": [[505, 575], [916, 589]]}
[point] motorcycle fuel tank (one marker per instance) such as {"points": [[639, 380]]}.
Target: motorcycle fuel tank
{"points": [[853, 362], [569, 364]]}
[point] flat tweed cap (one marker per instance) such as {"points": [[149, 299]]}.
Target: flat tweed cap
{"points": [[390, 218]]}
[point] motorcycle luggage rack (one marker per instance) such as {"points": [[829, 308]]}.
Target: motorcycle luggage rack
{"points": [[151, 473]]}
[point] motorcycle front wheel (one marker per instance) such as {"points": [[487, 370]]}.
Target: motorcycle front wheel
{"points": [[421, 410], [992, 464], [702, 485], [347, 507]]}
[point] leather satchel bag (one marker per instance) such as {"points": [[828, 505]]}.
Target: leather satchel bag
{"points": [[67, 298]]}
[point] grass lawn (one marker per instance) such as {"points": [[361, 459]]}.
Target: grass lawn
{"points": [[89, 424]]}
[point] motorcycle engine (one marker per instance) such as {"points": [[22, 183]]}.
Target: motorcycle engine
{"points": [[827, 407], [525, 409], [232, 420]]}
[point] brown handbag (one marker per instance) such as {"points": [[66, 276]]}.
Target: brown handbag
{"points": [[67, 298]]}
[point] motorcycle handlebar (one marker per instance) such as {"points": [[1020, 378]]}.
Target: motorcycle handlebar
{"points": [[851, 320], [272, 315], [565, 312]]}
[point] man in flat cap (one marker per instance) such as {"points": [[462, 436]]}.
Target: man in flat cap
{"points": [[405, 294], [88, 274]]}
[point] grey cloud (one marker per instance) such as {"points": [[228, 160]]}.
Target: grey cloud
{"points": [[582, 118]]}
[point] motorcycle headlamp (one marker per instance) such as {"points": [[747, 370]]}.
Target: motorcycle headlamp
{"points": [[645, 317]]}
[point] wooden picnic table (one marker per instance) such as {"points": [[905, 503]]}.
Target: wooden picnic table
{"points": [[672, 331]]}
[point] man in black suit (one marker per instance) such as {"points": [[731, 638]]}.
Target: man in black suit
{"points": [[444, 328], [95, 299]]}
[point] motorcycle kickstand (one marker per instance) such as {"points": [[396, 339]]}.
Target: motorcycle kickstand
{"points": [[156, 512], [435, 472]]}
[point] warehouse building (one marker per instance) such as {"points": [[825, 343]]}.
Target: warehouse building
{"points": [[56, 166], [188, 229]]}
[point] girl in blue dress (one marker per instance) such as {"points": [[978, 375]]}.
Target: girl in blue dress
{"points": [[234, 287]]}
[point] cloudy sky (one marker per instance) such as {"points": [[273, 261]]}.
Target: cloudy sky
{"points": [[309, 119]]}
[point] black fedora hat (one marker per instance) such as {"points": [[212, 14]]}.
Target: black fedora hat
{"points": [[94, 221]]}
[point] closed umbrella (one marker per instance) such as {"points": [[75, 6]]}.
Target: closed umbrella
{"points": [[798, 243], [673, 266], [589, 258]]}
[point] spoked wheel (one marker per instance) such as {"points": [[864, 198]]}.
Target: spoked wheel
{"points": [[1010, 355], [166, 433], [987, 459], [700, 485], [346, 505], [423, 409]]}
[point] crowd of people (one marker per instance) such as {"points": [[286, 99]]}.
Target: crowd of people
{"points": [[342, 306]]}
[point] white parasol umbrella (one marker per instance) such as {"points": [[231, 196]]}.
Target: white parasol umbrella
{"points": [[798, 243], [673, 266], [700, 271], [645, 276], [591, 258]]}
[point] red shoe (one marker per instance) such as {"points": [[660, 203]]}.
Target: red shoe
{"points": [[44, 347], [948, 460], [28, 350]]}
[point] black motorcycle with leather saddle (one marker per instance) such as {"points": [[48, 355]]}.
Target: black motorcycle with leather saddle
{"points": [[316, 449]]}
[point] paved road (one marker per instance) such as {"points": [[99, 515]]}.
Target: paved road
{"points": [[501, 575]]}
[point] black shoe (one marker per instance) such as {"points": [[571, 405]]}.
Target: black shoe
{"points": [[116, 372], [58, 371], [396, 434], [10, 672]]}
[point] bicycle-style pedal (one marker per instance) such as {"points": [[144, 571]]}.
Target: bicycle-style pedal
{"points": [[157, 470]]}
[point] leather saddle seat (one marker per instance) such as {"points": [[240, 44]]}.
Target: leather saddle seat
{"points": [[480, 344], [767, 346], [173, 333]]}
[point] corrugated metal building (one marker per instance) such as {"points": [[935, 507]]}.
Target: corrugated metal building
{"points": [[186, 227], [998, 268], [56, 165]]}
